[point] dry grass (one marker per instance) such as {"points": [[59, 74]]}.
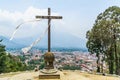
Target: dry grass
{"points": [[65, 75], [9, 74]]}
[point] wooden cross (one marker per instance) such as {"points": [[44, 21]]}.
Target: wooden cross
{"points": [[49, 17]]}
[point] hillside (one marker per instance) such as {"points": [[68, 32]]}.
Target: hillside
{"points": [[65, 75]]}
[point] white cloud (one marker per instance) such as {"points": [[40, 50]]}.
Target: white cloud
{"points": [[9, 21]]}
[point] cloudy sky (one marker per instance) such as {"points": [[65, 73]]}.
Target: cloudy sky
{"points": [[78, 16]]}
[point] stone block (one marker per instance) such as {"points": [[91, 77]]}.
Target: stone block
{"points": [[49, 76]]}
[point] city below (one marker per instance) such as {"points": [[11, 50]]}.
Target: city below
{"points": [[67, 59]]}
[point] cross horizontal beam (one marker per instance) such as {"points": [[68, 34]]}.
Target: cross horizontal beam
{"points": [[49, 17]]}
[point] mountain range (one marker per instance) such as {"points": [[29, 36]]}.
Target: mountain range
{"points": [[63, 41]]}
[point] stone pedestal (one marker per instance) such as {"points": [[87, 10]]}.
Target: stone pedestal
{"points": [[49, 72], [49, 75]]}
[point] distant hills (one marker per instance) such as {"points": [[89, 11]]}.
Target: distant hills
{"points": [[57, 41], [10, 44]]}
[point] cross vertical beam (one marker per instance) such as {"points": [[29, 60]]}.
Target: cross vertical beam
{"points": [[49, 33], [49, 17]]}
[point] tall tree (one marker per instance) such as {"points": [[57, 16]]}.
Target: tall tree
{"points": [[102, 38]]}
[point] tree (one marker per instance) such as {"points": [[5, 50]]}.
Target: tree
{"points": [[102, 38], [9, 62], [2, 57]]}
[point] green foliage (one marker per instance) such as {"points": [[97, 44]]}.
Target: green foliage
{"points": [[2, 47], [67, 67], [42, 65], [103, 38], [22, 58], [9, 63], [30, 67]]}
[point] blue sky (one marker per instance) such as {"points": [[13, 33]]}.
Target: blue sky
{"points": [[78, 16]]}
